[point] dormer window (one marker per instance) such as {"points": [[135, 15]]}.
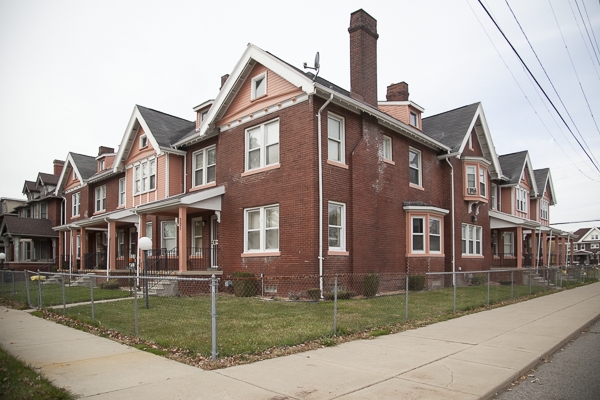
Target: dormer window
{"points": [[203, 115], [414, 120], [259, 86], [143, 141], [101, 165]]}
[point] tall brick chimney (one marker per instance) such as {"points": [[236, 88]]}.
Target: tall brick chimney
{"points": [[397, 92], [58, 166], [105, 150], [363, 56]]}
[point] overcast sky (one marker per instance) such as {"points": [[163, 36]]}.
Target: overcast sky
{"points": [[72, 71]]}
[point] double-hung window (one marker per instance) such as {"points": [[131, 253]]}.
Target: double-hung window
{"points": [[471, 180], [426, 234], [100, 198], [508, 243], [121, 192], [387, 147], [262, 145], [413, 119], [75, 203], [197, 237], [414, 167], [482, 182], [43, 210], [337, 226], [522, 200], [261, 226], [120, 243], [144, 176], [169, 236], [544, 209], [494, 196], [471, 240], [205, 162], [336, 135]]}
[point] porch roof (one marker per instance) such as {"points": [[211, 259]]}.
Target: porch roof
{"points": [[13, 225], [208, 199], [499, 220]]}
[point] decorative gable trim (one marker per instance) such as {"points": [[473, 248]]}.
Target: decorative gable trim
{"points": [[66, 172]]}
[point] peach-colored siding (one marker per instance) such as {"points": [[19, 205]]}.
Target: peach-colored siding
{"points": [[401, 113], [175, 175], [278, 89]]}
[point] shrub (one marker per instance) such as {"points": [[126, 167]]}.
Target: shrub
{"points": [[244, 284], [342, 295], [478, 280], [506, 283], [416, 282], [314, 293], [371, 284], [112, 284]]}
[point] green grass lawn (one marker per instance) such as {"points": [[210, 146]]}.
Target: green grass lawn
{"points": [[20, 382], [52, 294], [249, 325]]}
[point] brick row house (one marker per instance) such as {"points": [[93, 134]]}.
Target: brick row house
{"points": [[286, 173]]}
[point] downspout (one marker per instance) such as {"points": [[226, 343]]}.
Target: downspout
{"points": [[453, 227], [63, 220], [320, 155]]}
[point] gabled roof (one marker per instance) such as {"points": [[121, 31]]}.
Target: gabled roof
{"points": [[304, 81], [453, 128], [33, 227], [84, 166], [543, 181], [584, 233], [513, 166], [162, 131], [30, 186], [47, 179]]}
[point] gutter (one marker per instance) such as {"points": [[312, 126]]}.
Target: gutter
{"points": [[320, 159]]}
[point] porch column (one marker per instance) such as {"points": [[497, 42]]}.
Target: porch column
{"points": [[182, 239], [563, 252], [83, 242], [17, 245], [112, 245], [544, 240], [142, 233], [534, 249], [519, 244], [73, 249]]}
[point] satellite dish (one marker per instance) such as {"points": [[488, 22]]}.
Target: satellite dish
{"points": [[316, 66], [317, 58]]}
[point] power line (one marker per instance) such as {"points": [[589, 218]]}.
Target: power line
{"points": [[575, 222], [539, 86], [595, 49]]}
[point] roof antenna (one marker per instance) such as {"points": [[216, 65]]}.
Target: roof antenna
{"points": [[316, 67]]}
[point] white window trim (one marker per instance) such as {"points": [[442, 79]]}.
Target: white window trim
{"points": [[412, 234], [429, 235], [472, 168], [494, 196], [420, 166], [142, 176], [75, 206], [482, 174], [122, 192], [263, 147], [262, 229], [342, 228], [162, 237], [416, 117], [512, 243], [196, 251], [544, 209], [120, 243], [204, 167], [387, 147], [342, 141], [253, 95], [522, 197], [100, 198], [467, 239], [143, 141]]}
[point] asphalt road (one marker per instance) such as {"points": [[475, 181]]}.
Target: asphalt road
{"points": [[573, 372]]}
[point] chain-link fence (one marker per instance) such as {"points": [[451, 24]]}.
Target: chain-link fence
{"points": [[256, 313]]}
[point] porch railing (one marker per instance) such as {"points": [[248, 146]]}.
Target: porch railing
{"points": [[95, 260], [205, 258], [506, 260], [162, 260]]}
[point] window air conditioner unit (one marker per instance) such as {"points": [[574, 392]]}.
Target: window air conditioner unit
{"points": [[472, 191]]}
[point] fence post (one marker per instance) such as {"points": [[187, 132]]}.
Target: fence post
{"points": [[512, 284], [454, 280], [406, 318], [92, 297], [63, 295], [27, 289], [213, 296], [335, 293], [135, 306], [488, 295], [39, 290]]}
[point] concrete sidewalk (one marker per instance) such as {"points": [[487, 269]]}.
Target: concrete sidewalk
{"points": [[471, 357]]}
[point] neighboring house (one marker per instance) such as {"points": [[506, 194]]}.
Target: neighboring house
{"points": [[586, 249], [9, 207], [286, 173], [27, 234]]}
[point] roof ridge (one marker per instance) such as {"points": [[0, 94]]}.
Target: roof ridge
{"points": [[164, 113], [455, 109]]}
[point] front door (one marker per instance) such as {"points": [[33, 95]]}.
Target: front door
{"points": [[214, 242]]}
